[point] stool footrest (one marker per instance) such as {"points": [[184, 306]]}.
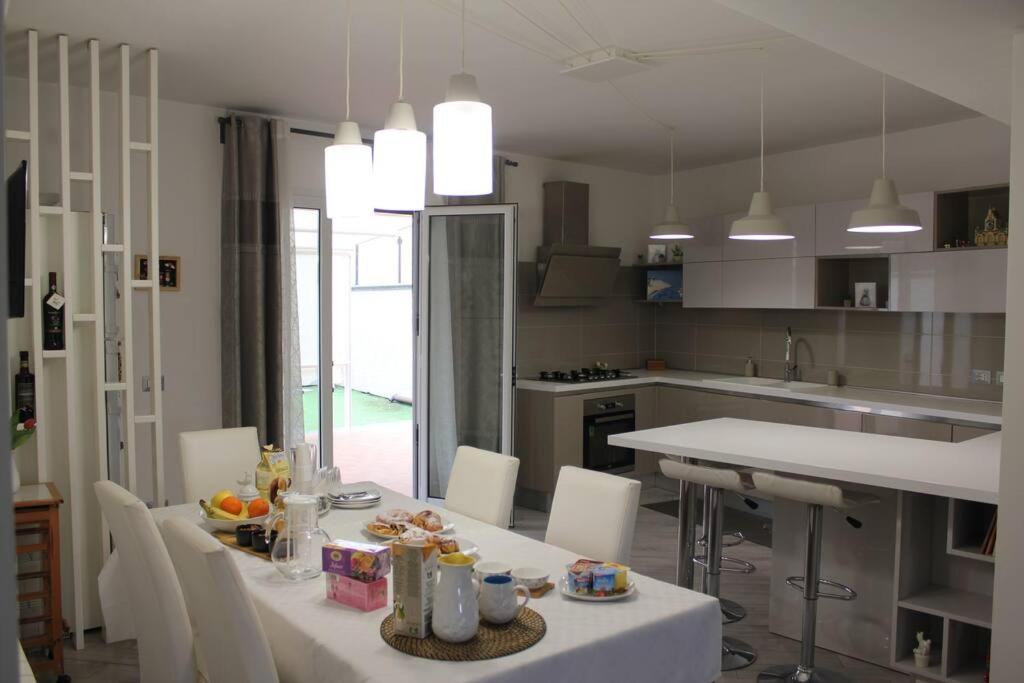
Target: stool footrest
{"points": [[737, 536], [741, 566], [845, 592]]}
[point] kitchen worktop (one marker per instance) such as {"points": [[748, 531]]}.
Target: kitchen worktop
{"points": [[875, 401], [967, 470]]}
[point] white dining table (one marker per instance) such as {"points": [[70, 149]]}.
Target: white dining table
{"points": [[660, 633]]}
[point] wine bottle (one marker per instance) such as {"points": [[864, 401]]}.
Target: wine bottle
{"points": [[53, 317], [25, 390]]}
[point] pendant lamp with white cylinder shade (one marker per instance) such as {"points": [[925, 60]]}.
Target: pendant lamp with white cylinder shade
{"points": [[760, 223], [400, 151], [348, 163], [884, 213], [671, 228], [463, 136]]}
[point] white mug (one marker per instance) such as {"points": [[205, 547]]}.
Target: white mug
{"points": [[485, 569], [498, 603]]}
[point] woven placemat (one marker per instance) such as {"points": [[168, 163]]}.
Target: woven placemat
{"points": [[489, 642]]}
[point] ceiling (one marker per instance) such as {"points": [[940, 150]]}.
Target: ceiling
{"points": [[287, 59]]}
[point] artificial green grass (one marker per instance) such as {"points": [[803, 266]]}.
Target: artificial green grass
{"points": [[367, 409]]}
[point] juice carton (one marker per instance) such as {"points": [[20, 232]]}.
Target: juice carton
{"points": [[415, 574]]}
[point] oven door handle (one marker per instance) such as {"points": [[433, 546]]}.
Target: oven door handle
{"points": [[618, 417]]}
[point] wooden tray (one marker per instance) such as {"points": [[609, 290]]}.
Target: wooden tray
{"points": [[228, 539]]}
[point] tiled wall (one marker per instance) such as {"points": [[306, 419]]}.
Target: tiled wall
{"points": [[921, 352]]}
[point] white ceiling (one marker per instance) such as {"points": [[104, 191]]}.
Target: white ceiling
{"points": [[286, 59]]}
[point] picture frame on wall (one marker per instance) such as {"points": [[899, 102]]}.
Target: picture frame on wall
{"points": [[169, 275], [657, 253], [665, 285]]}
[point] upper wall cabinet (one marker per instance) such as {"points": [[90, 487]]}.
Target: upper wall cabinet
{"points": [[800, 220], [702, 285], [949, 281], [768, 283], [706, 244], [833, 239]]}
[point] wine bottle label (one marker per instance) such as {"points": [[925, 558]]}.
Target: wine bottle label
{"points": [[56, 302]]}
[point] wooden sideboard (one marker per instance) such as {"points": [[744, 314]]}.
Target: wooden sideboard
{"points": [[37, 534]]}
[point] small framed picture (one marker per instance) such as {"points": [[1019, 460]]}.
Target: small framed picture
{"points": [[657, 253], [865, 295], [665, 284], [170, 271]]}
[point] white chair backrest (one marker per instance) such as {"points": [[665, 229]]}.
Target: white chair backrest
{"points": [[161, 621], [800, 490], [229, 635], [716, 477], [216, 459], [594, 514], [482, 485]]}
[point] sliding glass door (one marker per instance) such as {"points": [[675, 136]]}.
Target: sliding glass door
{"points": [[465, 336]]}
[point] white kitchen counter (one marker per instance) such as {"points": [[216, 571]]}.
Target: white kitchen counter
{"points": [[967, 470], [876, 401]]}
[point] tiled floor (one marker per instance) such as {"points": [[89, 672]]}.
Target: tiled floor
{"points": [[653, 555]]}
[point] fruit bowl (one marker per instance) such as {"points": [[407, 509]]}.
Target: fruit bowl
{"points": [[229, 524]]}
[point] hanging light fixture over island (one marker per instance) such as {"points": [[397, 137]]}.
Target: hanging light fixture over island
{"points": [[671, 228]]}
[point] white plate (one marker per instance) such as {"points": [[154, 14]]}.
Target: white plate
{"points": [[446, 529], [229, 525], [466, 546], [359, 505], [371, 494], [564, 588]]}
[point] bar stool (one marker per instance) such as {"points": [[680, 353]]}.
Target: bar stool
{"points": [[736, 654], [816, 495]]}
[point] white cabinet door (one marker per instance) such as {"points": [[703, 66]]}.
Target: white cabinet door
{"points": [[702, 285], [833, 239], [769, 283], [706, 244], [949, 281], [800, 220]]}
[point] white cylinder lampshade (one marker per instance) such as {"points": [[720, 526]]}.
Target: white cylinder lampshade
{"points": [[760, 223], [399, 162], [463, 141], [884, 213], [348, 174], [671, 228]]}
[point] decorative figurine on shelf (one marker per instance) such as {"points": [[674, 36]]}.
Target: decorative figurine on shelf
{"points": [[923, 651], [994, 233]]}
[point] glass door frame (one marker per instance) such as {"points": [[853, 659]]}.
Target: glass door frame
{"points": [[421, 327]]}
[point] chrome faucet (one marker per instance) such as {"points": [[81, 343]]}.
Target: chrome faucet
{"points": [[789, 371]]}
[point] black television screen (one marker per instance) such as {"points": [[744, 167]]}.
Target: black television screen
{"points": [[17, 189]]}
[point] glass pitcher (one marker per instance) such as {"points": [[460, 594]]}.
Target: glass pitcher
{"points": [[298, 551]]}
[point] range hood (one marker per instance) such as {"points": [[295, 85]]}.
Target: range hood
{"points": [[570, 272]]}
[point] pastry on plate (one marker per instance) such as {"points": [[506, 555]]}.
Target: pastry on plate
{"points": [[385, 529], [395, 516], [429, 520]]}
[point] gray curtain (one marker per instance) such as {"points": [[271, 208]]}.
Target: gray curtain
{"points": [[251, 278]]}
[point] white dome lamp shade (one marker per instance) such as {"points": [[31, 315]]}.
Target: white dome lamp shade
{"points": [[884, 213], [463, 135], [760, 223], [400, 151], [348, 163], [670, 227]]}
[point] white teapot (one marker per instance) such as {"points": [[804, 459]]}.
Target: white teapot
{"points": [[456, 616]]}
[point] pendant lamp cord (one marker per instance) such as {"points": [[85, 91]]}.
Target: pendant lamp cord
{"points": [[401, 51], [883, 125], [462, 40], [672, 166], [762, 120], [348, 59]]}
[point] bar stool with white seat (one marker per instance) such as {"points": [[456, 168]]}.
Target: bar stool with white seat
{"points": [[482, 485], [736, 654], [816, 495], [594, 514], [215, 459]]}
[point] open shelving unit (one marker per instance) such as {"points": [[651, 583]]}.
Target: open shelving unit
{"points": [[959, 213], [837, 275]]}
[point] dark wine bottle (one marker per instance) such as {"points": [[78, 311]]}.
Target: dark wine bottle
{"points": [[53, 317], [25, 390]]}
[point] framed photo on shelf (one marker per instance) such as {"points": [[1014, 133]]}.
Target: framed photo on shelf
{"points": [[865, 295], [657, 253], [169, 275]]}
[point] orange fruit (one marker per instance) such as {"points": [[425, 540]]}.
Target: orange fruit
{"points": [[232, 505], [258, 507]]}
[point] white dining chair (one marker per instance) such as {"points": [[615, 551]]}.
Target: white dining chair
{"points": [[162, 625], [482, 485], [594, 514], [216, 459], [229, 636]]}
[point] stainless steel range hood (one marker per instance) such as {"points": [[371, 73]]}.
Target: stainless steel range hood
{"points": [[570, 272]]}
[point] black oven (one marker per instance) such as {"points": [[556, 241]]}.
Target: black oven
{"points": [[603, 417]]}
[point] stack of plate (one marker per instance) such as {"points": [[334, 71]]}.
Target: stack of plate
{"points": [[354, 497]]}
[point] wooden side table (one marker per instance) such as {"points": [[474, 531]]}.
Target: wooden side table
{"points": [[37, 531]]}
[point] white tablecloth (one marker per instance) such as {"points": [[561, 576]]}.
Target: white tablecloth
{"points": [[661, 633]]}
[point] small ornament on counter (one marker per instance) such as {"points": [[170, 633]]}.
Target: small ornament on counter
{"points": [[923, 651]]}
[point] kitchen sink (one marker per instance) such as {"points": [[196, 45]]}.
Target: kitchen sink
{"points": [[766, 382]]}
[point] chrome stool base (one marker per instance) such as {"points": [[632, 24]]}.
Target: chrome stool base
{"points": [[793, 673], [736, 654], [731, 611]]}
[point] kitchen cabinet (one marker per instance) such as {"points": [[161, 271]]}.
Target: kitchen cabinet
{"points": [[831, 238], [949, 281], [702, 285], [706, 244], [768, 283], [800, 220]]}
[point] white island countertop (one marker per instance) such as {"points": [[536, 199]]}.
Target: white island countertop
{"points": [[875, 401], [967, 470]]}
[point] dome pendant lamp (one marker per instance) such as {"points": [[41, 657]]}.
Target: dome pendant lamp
{"points": [[760, 223], [348, 163], [463, 139], [671, 228], [400, 151], [884, 213]]}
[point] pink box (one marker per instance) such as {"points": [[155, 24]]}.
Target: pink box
{"points": [[363, 561], [354, 593]]}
